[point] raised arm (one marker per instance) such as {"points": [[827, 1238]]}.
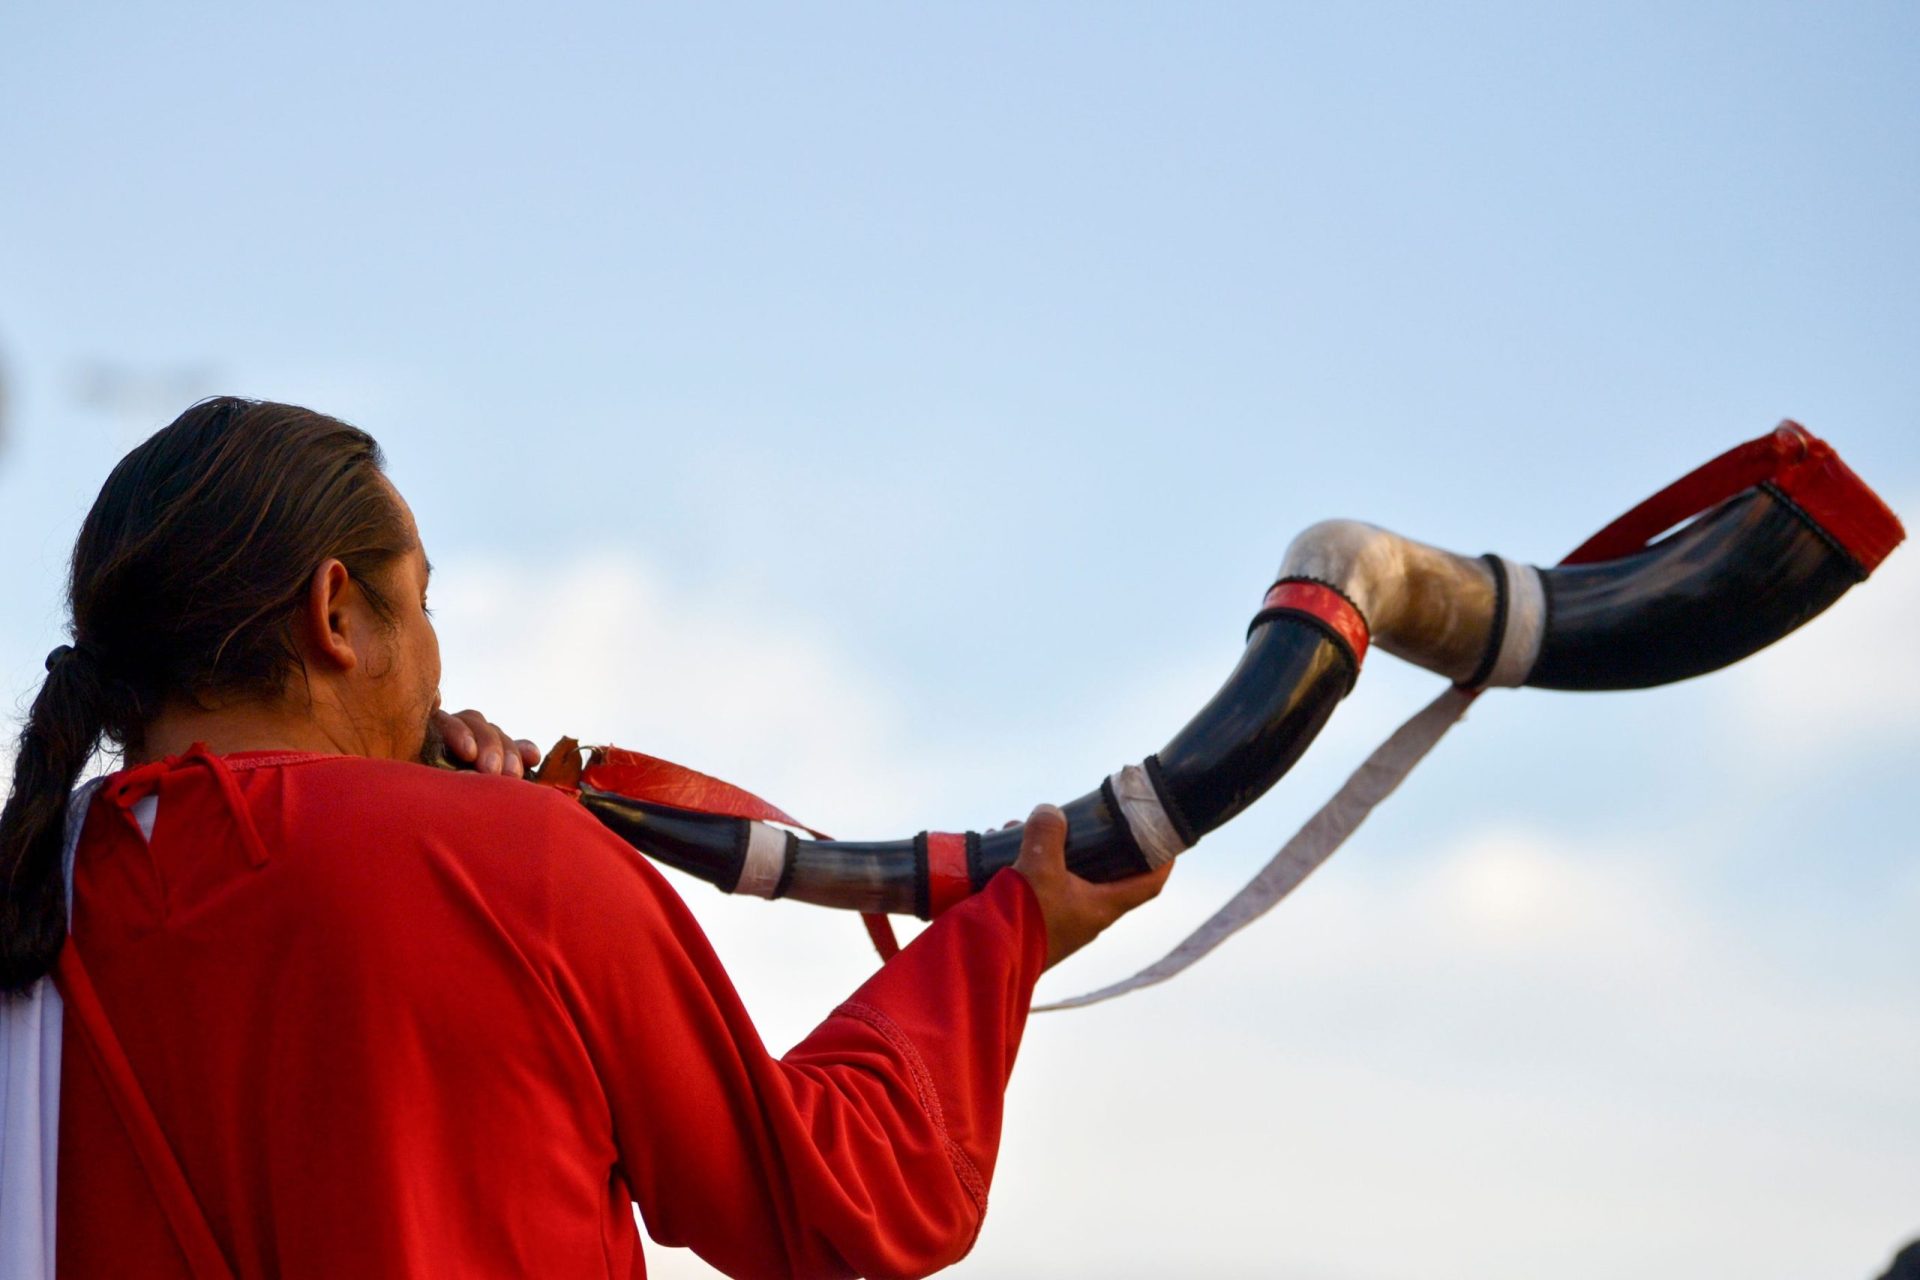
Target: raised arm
{"points": [[865, 1150]]}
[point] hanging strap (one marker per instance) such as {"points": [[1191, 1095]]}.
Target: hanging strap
{"points": [[184, 1216], [150, 1146]]}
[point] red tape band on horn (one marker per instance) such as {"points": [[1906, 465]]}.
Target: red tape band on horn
{"points": [[947, 878], [1323, 603]]}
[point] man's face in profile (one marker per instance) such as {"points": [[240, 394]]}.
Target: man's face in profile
{"points": [[401, 690]]}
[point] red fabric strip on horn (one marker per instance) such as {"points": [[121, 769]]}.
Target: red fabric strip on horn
{"points": [[1841, 503], [1794, 460], [643, 777], [639, 776]]}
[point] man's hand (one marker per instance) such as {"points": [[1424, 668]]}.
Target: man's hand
{"points": [[473, 740], [1075, 909]]}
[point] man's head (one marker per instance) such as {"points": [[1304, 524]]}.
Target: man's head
{"points": [[248, 556], [250, 552]]}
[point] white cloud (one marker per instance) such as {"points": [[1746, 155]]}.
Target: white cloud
{"points": [[1531, 1055], [1517, 895], [607, 650]]}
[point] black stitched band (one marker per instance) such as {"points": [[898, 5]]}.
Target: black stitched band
{"points": [[922, 897], [975, 880], [1779, 494], [1498, 636], [1188, 836], [786, 867], [742, 833]]}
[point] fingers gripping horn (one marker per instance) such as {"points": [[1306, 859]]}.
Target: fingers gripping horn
{"points": [[1777, 530]]}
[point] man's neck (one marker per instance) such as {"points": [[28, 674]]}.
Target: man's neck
{"points": [[240, 727]]}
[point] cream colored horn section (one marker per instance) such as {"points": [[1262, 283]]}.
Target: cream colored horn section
{"points": [[1431, 607]]}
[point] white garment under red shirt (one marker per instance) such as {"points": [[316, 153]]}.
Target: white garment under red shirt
{"points": [[438, 1024]]}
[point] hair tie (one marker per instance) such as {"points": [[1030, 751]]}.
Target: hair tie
{"points": [[61, 652]]}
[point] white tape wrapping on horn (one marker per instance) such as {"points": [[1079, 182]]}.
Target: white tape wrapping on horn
{"points": [[766, 859], [1146, 817], [1526, 626]]}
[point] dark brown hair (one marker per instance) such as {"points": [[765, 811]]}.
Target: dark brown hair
{"points": [[184, 586]]}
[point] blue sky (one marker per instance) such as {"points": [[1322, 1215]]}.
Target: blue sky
{"points": [[900, 410]]}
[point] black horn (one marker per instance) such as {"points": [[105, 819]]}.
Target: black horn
{"points": [[1775, 531]]}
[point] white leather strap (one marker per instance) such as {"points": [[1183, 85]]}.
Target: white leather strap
{"points": [[766, 859], [1526, 626], [1146, 817]]}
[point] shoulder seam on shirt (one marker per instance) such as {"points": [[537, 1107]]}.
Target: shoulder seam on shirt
{"points": [[963, 1167], [278, 761]]}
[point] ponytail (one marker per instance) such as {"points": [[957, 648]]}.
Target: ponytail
{"points": [[61, 734]]}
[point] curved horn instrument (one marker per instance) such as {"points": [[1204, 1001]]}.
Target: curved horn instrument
{"points": [[1784, 528]]}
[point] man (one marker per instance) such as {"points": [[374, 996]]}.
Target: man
{"points": [[339, 1014]]}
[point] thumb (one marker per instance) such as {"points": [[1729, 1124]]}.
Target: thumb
{"points": [[1043, 844]]}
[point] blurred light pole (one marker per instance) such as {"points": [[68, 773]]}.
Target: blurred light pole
{"points": [[143, 400], [3, 405]]}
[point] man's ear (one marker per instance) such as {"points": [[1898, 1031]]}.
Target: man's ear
{"points": [[326, 625]]}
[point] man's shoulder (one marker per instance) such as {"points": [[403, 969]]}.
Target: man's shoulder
{"points": [[434, 797], [500, 831]]}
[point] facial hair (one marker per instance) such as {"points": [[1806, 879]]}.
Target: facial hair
{"points": [[433, 746]]}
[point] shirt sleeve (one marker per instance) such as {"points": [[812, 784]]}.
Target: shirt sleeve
{"points": [[867, 1149]]}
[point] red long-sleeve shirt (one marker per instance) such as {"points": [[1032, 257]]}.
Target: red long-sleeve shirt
{"points": [[437, 1024]]}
